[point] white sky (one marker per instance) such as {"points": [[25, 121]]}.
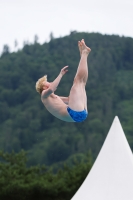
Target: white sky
{"points": [[21, 19]]}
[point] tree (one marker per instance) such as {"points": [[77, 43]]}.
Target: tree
{"points": [[6, 50], [15, 44], [51, 36], [36, 38], [33, 183]]}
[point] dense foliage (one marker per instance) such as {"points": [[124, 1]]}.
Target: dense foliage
{"points": [[26, 124], [17, 182]]}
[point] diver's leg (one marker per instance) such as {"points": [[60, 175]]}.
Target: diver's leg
{"points": [[77, 97], [82, 71]]}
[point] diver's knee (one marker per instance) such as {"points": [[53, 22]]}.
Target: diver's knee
{"points": [[78, 79]]}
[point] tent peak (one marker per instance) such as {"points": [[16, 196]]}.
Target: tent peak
{"points": [[116, 118]]}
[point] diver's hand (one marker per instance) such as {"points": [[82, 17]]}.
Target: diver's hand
{"points": [[64, 70]]}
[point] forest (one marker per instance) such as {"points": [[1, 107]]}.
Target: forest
{"points": [[27, 128]]}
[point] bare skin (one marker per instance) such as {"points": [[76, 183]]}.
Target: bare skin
{"points": [[77, 99]]}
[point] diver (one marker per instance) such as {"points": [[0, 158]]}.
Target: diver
{"points": [[74, 107]]}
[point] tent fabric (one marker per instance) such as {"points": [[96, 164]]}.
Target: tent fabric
{"points": [[111, 177]]}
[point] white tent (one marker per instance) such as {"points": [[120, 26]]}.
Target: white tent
{"points": [[111, 177]]}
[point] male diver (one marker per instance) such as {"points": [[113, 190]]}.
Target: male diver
{"points": [[74, 107]]}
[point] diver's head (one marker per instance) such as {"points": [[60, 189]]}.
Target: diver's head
{"points": [[42, 84]]}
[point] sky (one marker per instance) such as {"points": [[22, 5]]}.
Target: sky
{"points": [[21, 20]]}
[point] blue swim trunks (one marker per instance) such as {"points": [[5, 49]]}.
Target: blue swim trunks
{"points": [[77, 116]]}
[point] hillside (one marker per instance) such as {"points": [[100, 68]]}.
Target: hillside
{"points": [[26, 124]]}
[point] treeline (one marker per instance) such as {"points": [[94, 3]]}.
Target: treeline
{"points": [[26, 124], [39, 182]]}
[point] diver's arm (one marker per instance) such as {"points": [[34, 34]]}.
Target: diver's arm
{"points": [[53, 86], [46, 93]]}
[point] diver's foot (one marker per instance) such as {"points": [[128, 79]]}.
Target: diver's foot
{"points": [[84, 48]]}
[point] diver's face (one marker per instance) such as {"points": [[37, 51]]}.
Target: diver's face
{"points": [[46, 85]]}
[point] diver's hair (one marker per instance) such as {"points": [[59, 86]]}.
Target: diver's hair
{"points": [[39, 85]]}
